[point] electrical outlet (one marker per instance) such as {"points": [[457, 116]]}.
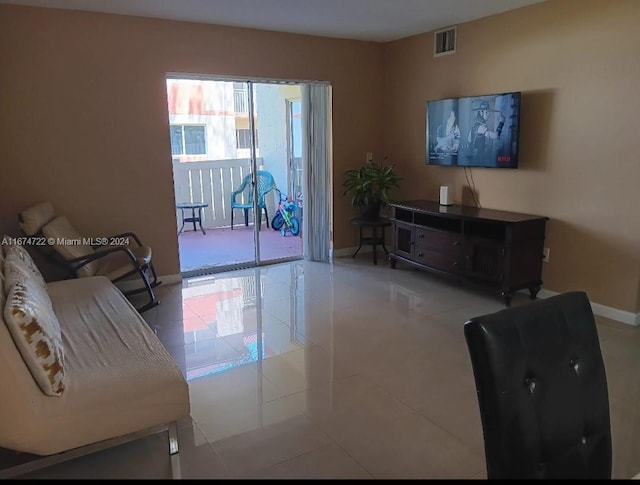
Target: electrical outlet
{"points": [[369, 156], [545, 254]]}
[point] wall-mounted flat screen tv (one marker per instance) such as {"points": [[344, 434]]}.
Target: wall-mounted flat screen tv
{"points": [[476, 131]]}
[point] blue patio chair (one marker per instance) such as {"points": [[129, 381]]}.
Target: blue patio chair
{"points": [[242, 198]]}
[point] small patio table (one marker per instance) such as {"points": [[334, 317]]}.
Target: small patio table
{"points": [[195, 218]]}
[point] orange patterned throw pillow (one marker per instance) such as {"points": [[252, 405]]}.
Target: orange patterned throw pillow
{"points": [[35, 329]]}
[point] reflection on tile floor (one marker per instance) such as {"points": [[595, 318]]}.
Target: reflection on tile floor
{"points": [[349, 370]]}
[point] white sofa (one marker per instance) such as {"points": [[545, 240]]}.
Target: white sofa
{"points": [[120, 382]]}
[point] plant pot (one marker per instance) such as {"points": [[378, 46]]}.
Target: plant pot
{"points": [[370, 212]]}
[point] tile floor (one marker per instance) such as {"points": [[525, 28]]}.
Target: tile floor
{"points": [[346, 370]]}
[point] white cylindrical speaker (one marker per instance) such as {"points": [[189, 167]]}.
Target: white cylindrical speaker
{"points": [[446, 195]]}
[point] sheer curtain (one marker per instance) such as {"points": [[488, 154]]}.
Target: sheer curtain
{"points": [[316, 153]]}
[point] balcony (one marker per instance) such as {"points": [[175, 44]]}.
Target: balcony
{"points": [[211, 182]]}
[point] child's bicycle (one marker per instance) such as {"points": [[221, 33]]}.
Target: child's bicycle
{"points": [[285, 220]]}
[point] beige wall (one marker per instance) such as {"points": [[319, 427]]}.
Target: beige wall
{"points": [[578, 65], [84, 120]]}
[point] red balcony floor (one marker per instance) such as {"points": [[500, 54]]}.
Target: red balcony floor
{"points": [[223, 247]]}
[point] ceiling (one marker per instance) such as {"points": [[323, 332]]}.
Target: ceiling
{"points": [[371, 20]]}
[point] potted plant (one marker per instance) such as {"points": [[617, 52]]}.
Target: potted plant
{"points": [[369, 187]]}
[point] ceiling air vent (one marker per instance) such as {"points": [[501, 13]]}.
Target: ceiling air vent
{"points": [[444, 42]]}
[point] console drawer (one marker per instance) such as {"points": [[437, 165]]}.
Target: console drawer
{"points": [[439, 260], [450, 243]]}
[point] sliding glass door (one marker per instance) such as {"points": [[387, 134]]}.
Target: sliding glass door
{"points": [[237, 168], [282, 240], [212, 171]]}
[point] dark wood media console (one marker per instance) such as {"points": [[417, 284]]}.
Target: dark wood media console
{"points": [[490, 247]]}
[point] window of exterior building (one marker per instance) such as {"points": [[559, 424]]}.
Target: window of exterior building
{"points": [[188, 140], [243, 138]]}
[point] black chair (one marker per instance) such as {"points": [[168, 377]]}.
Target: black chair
{"points": [[542, 390], [119, 257]]}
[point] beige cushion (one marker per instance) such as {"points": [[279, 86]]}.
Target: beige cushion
{"points": [[35, 329], [19, 267], [65, 236], [35, 217]]}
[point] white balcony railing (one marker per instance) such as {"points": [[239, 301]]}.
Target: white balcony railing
{"points": [[211, 182]]}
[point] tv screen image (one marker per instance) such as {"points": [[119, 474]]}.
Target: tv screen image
{"points": [[475, 131]]}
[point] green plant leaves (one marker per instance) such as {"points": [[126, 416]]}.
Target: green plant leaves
{"points": [[370, 183]]}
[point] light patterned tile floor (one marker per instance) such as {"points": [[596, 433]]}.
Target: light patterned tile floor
{"points": [[309, 370]]}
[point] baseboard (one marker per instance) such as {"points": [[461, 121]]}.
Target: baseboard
{"points": [[621, 316], [341, 253]]}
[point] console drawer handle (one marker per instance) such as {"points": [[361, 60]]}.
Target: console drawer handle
{"points": [[421, 236], [420, 254], [456, 243]]}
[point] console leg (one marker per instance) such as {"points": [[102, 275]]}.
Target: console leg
{"points": [[507, 298], [392, 262]]}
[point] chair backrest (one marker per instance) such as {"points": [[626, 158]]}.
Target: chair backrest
{"points": [[63, 241], [33, 218], [542, 390], [69, 244], [265, 183]]}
